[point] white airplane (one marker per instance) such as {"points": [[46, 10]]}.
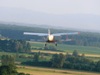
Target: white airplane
{"points": [[50, 37]]}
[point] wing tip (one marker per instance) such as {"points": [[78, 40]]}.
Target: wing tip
{"points": [[78, 32]]}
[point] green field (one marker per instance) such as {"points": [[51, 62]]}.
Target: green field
{"points": [[70, 48], [90, 52], [17, 59]]}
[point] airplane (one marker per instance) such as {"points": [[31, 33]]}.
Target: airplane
{"points": [[50, 37]]}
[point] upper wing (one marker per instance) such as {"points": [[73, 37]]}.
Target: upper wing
{"points": [[38, 34], [70, 33]]}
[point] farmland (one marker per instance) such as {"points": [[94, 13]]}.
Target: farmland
{"points": [[90, 52], [49, 71], [70, 48]]}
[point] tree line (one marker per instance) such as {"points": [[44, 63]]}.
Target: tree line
{"points": [[83, 39], [14, 46], [8, 66], [68, 61]]}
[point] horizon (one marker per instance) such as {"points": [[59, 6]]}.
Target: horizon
{"points": [[48, 27], [84, 14]]}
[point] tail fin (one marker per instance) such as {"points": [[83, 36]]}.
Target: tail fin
{"points": [[49, 32]]}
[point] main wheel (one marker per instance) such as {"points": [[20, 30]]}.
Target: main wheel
{"points": [[56, 44], [45, 44]]}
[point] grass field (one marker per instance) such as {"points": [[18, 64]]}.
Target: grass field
{"points": [[47, 71], [94, 57], [17, 59], [55, 52], [90, 52], [70, 48]]}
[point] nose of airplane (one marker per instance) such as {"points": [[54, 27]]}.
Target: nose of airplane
{"points": [[51, 37]]}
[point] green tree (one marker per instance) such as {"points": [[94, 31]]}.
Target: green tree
{"points": [[8, 60], [97, 67], [58, 60], [75, 53], [28, 47], [7, 70], [36, 57], [23, 74]]}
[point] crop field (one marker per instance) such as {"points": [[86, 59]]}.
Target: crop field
{"points": [[55, 52], [70, 48], [48, 71], [93, 57], [90, 52]]}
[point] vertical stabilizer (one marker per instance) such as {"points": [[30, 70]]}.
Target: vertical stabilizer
{"points": [[48, 31]]}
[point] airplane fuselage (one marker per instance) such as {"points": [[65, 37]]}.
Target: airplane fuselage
{"points": [[50, 38]]}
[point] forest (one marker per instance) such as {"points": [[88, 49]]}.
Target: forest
{"points": [[14, 46]]}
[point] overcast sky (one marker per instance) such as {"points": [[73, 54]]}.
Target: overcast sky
{"points": [[56, 6]]}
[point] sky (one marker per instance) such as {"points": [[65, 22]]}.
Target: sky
{"points": [[56, 6], [53, 12]]}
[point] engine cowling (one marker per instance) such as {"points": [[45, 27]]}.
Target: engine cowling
{"points": [[50, 37]]}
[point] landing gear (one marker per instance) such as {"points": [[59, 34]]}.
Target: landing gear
{"points": [[45, 44], [56, 44]]}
